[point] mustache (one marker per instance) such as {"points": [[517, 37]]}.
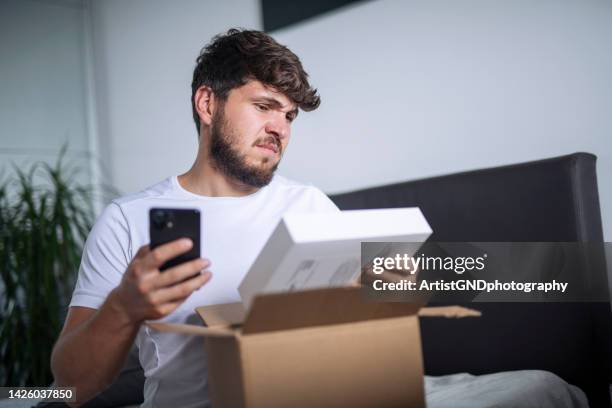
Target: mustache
{"points": [[270, 140]]}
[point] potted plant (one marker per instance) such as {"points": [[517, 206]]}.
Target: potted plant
{"points": [[45, 216]]}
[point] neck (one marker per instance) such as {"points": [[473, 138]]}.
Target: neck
{"points": [[205, 179]]}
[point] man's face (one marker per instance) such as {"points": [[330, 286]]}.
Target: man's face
{"points": [[249, 133]]}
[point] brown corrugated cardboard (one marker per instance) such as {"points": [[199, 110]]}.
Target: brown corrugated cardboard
{"points": [[316, 348]]}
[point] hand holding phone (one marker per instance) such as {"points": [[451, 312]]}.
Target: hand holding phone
{"points": [[144, 293]]}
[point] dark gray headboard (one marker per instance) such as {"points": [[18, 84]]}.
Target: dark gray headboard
{"points": [[542, 201], [547, 200]]}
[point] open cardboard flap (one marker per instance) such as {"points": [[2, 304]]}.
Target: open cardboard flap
{"points": [[309, 308], [223, 315], [191, 329], [318, 307]]}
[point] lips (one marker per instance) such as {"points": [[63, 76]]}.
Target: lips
{"points": [[269, 146]]}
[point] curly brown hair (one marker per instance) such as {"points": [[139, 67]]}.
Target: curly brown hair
{"points": [[230, 60]]}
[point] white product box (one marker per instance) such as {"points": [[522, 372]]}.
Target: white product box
{"points": [[318, 250]]}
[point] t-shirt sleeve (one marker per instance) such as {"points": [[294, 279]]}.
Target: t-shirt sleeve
{"points": [[105, 258]]}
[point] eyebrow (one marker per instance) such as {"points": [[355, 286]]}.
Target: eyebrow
{"points": [[274, 103]]}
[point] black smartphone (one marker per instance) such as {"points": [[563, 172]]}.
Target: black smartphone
{"points": [[169, 224]]}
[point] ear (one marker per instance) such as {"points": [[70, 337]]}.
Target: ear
{"points": [[205, 104]]}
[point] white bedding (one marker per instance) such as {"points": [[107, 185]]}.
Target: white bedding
{"points": [[524, 389], [520, 389]]}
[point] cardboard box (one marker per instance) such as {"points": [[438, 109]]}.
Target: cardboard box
{"points": [[317, 250], [315, 348]]}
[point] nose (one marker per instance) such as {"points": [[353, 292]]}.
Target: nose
{"points": [[278, 126]]}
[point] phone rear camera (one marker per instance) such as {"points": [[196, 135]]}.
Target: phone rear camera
{"points": [[159, 218]]}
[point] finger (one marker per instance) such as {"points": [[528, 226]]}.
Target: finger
{"points": [[139, 270], [400, 271], [136, 266], [181, 290], [169, 307], [389, 276], [154, 279], [142, 251], [179, 272], [156, 257], [409, 270]]}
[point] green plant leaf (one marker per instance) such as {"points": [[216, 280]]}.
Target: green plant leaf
{"points": [[45, 217]]}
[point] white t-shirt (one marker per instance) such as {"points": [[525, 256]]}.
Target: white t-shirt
{"points": [[233, 231]]}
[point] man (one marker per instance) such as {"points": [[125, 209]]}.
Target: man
{"points": [[246, 92]]}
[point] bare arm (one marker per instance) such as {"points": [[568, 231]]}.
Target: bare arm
{"points": [[91, 349], [94, 344]]}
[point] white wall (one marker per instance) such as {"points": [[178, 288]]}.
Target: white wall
{"points": [[144, 54], [43, 99], [412, 89]]}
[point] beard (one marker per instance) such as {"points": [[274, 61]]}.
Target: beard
{"points": [[228, 160]]}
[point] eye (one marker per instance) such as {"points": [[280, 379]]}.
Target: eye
{"points": [[261, 107], [290, 117]]}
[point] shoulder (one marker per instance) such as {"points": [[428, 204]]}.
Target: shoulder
{"points": [[286, 184], [306, 194], [290, 187], [157, 190], [116, 214]]}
